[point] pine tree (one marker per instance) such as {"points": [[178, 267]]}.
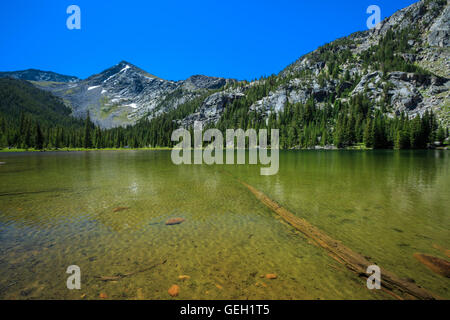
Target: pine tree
{"points": [[402, 140], [87, 133], [39, 138], [440, 135], [368, 134]]}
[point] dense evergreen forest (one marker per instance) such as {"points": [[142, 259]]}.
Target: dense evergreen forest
{"points": [[301, 126]]}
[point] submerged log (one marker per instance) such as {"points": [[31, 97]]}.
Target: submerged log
{"points": [[437, 265], [31, 192], [355, 262]]}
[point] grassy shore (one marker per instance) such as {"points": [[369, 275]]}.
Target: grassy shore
{"points": [[360, 147]]}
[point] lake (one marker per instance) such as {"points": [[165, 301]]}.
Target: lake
{"points": [[105, 211]]}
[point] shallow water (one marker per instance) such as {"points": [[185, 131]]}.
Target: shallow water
{"points": [[57, 209]]}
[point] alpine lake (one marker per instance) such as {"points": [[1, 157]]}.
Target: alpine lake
{"points": [[106, 212]]}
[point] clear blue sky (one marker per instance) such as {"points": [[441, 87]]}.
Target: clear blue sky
{"points": [[242, 39]]}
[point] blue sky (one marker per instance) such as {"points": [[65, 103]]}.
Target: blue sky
{"points": [[176, 39]]}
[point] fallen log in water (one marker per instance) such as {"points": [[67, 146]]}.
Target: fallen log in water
{"points": [[123, 275], [399, 288], [32, 192], [435, 264]]}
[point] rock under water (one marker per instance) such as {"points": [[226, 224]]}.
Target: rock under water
{"points": [[174, 221], [174, 290]]}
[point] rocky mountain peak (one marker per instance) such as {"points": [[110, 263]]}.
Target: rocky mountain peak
{"points": [[122, 69]]}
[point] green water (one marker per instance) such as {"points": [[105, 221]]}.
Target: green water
{"points": [[56, 210]]}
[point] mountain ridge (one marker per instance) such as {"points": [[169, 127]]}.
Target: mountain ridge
{"points": [[38, 75], [398, 70], [123, 94], [129, 93]]}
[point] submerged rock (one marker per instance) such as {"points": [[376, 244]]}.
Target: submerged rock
{"points": [[174, 290], [437, 265], [174, 221]]}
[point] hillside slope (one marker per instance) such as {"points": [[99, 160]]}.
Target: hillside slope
{"points": [[19, 97]]}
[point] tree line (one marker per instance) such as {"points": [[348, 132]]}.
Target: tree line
{"points": [[301, 126]]}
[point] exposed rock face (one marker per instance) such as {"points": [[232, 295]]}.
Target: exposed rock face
{"points": [[274, 101], [407, 92], [212, 108], [439, 31], [123, 94], [204, 82]]}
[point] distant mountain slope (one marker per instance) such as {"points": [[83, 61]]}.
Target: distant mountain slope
{"points": [[38, 75], [124, 93], [19, 97]]}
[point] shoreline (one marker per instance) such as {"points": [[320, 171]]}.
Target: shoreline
{"points": [[169, 149]]}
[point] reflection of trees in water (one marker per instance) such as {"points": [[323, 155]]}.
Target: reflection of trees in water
{"points": [[317, 182], [417, 169]]}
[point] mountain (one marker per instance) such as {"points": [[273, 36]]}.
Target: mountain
{"points": [[401, 66], [386, 87], [124, 93], [38, 75]]}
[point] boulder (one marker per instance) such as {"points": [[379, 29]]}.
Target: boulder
{"points": [[174, 290]]}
